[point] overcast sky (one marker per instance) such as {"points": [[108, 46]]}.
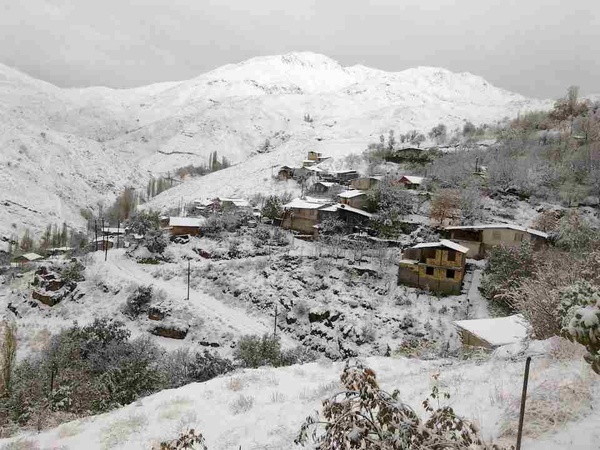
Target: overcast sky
{"points": [[534, 47]]}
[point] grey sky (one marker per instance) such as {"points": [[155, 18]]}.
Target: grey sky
{"points": [[534, 47]]}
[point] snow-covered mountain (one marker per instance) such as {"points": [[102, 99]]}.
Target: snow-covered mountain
{"points": [[66, 149]]}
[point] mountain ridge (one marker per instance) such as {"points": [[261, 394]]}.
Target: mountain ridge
{"points": [[67, 149]]}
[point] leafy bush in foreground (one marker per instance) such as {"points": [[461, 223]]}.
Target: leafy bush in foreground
{"points": [[364, 416]]}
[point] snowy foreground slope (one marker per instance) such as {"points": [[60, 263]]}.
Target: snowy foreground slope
{"points": [[66, 149], [264, 408]]}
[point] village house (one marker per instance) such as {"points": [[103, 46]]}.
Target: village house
{"points": [[186, 225], [302, 215], [437, 266], [493, 332], [324, 187], [480, 239], [316, 156], [410, 181], [27, 258], [341, 176], [354, 198], [234, 204], [366, 183], [102, 243]]}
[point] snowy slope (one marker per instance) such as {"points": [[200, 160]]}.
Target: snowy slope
{"points": [[264, 408], [64, 149]]}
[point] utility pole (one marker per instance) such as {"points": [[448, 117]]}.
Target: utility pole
{"points": [[188, 281], [104, 241], [523, 398], [96, 233], [275, 322]]}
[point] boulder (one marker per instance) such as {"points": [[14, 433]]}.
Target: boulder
{"points": [[171, 332]]}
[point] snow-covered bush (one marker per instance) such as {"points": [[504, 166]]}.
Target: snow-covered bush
{"points": [[186, 440], [257, 351], [73, 272], [138, 301], [142, 222], [505, 268], [366, 417], [580, 312], [155, 241]]}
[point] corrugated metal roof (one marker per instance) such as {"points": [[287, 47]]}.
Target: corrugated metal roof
{"points": [[299, 203], [501, 226], [186, 221], [443, 243], [351, 194], [412, 179], [497, 331]]}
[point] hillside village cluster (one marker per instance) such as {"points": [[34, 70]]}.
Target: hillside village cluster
{"points": [[438, 266]]}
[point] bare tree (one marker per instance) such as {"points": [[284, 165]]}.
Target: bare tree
{"points": [[8, 353]]}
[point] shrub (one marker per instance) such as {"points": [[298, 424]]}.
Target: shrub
{"points": [[364, 416], [186, 440], [242, 404], [580, 312], [505, 268], [73, 272], [155, 241], [142, 222], [138, 301], [256, 351], [272, 208], [539, 297]]}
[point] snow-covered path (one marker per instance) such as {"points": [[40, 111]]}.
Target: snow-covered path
{"points": [[215, 313]]}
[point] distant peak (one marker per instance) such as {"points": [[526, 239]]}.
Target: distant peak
{"points": [[299, 59]]}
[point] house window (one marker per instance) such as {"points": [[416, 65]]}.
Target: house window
{"points": [[450, 273], [518, 237], [451, 255], [429, 271], [496, 235]]}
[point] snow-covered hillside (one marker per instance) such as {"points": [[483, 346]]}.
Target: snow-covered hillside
{"points": [[65, 149], [264, 408]]}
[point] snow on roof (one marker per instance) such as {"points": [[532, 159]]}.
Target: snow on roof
{"points": [[326, 183], [239, 202], [351, 193], [499, 225], [443, 243], [203, 202], [345, 171], [32, 256], [299, 203], [186, 221], [497, 331], [113, 230], [331, 208], [412, 179], [356, 210], [314, 169]]}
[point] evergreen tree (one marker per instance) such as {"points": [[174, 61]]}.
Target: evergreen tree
{"points": [[64, 235]]}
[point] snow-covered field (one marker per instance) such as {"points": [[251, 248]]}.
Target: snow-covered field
{"points": [[264, 408]]}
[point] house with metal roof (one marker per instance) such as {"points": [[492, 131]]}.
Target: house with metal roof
{"points": [[493, 332], [437, 266], [354, 198], [480, 239]]}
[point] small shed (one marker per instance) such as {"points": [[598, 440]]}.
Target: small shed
{"points": [[27, 258], [354, 198], [186, 225], [410, 181], [493, 332]]}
